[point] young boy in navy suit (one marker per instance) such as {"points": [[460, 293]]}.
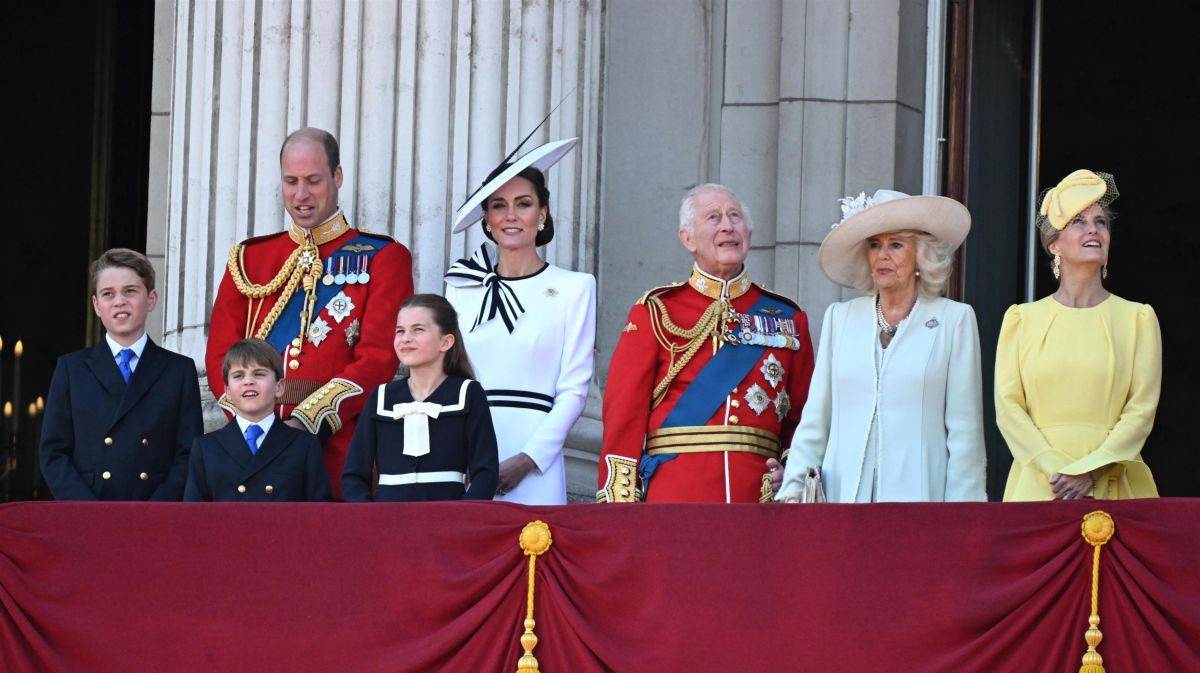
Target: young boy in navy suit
{"points": [[121, 416], [256, 457]]}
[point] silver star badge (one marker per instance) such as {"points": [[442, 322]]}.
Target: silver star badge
{"points": [[317, 331], [772, 370], [757, 398], [783, 404], [339, 307]]}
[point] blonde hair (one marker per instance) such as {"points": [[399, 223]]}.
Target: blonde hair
{"points": [[934, 259]]}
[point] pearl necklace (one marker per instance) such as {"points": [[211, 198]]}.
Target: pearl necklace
{"points": [[887, 330]]}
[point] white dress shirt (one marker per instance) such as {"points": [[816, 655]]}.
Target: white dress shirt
{"points": [[265, 424], [137, 348]]}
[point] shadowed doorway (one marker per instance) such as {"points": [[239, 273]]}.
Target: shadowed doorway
{"points": [[1119, 94]]}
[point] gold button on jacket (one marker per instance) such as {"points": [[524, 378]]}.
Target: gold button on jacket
{"points": [[108, 441], [143, 476], [269, 489], [145, 442], [241, 488], [106, 475]]}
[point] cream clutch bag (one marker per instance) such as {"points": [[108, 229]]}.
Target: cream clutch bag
{"points": [[814, 490]]}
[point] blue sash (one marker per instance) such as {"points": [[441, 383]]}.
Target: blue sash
{"points": [[287, 326], [707, 392]]}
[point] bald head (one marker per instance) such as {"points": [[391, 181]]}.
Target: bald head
{"points": [[320, 137]]}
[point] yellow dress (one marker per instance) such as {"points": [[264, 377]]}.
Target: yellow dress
{"points": [[1076, 390]]}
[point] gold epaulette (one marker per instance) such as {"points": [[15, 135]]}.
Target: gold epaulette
{"points": [[322, 406], [654, 291]]}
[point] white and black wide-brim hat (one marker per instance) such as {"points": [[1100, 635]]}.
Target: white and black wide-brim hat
{"points": [[841, 256], [541, 158]]}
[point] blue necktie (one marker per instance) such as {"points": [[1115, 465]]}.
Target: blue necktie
{"points": [[252, 434], [123, 358]]}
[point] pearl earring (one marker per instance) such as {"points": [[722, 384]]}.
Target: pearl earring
{"points": [[488, 228], [542, 225], [1056, 266]]}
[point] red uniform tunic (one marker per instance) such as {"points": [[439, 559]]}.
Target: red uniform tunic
{"points": [[761, 411], [347, 348]]}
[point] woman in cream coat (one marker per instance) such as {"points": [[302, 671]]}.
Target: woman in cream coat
{"points": [[894, 411]]}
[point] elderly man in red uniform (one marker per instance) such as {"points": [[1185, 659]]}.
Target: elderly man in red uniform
{"points": [[322, 292], [709, 376]]}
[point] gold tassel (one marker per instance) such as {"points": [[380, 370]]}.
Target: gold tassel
{"points": [[1097, 529], [535, 540]]}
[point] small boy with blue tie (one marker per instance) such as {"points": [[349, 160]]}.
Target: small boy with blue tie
{"points": [[121, 416], [256, 457]]}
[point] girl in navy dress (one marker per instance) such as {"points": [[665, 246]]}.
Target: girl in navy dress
{"points": [[428, 436]]}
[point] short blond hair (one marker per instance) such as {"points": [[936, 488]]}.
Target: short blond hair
{"points": [[934, 259]]}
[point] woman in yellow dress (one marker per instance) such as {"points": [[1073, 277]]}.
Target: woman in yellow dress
{"points": [[1078, 372]]}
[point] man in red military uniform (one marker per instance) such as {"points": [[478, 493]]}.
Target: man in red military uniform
{"points": [[322, 292], [709, 377]]}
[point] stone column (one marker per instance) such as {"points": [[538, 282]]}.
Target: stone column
{"points": [[425, 98]]}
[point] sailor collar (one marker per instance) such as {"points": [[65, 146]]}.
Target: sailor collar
{"points": [[716, 288], [322, 233]]}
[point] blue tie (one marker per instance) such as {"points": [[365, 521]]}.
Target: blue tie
{"points": [[123, 358], [252, 434]]}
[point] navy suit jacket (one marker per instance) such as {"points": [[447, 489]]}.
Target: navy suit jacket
{"points": [[104, 439], [288, 467]]}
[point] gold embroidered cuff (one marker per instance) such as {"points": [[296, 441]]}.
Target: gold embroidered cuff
{"points": [[620, 483], [225, 403], [783, 456], [322, 406]]}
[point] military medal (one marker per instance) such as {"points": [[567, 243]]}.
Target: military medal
{"points": [[363, 276], [317, 331], [340, 278], [783, 404], [339, 307], [772, 370], [757, 398], [328, 278], [352, 277]]}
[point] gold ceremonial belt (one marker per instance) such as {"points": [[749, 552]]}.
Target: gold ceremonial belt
{"points": [[710, 438]]}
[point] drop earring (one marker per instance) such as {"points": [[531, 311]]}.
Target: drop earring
{"points": [[542, 224], [1056, 266], [1104, 272], [488, 228]]}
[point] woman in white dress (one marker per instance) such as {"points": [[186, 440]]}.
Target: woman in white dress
{"points": [[894, 409], [530, 326]]}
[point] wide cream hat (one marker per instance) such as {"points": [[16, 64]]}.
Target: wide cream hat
{"points": [[842, 257]]}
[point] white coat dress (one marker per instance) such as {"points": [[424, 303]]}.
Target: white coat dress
{"points": [[537, 376], [927, 395]]}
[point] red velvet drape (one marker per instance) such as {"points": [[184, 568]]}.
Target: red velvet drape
{"points": [[441, 587]]}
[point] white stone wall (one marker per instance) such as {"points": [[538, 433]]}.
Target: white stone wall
{"points": [[792, 103]]}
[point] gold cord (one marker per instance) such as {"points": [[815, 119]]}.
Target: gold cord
{"points": [[535, 540], [709, 324], [303, 265], [1097, 529]]}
